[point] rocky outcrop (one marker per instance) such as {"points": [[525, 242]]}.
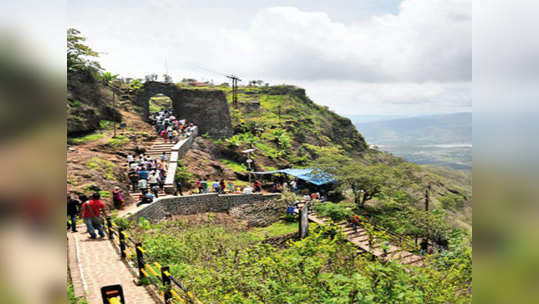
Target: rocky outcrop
{"points": [[88, 102]]}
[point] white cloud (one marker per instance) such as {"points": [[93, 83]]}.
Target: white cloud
{"points": [[429, 40], [415, 59]]}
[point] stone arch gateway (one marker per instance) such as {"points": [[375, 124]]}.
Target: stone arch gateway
{"points": [[207, 108]]}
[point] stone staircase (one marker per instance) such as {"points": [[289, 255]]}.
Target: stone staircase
{"points": [[361, 240], [155, 151]]}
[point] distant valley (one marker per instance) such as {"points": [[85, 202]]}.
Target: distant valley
{"points": [[443, 140]]}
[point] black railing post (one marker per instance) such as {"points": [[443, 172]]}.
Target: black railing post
{"points": [[140, 259], [165, 276], [109, 226], [121, 237]]}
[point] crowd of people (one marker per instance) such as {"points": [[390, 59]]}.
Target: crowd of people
{"points": [[169, 127], [147, 175]]}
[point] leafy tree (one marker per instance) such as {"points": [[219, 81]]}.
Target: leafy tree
{"points": [[107, 78], [365, 181], [151, 77], [78, 53], [167, 78]]}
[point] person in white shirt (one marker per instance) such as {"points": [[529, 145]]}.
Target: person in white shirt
{"points": [[153, 179], [130, 158], [164, 157]]}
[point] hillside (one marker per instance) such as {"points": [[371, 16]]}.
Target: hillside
{"points": [[444, 140]]}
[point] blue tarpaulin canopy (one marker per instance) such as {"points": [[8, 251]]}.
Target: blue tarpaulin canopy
{"points": [[318, 178]]}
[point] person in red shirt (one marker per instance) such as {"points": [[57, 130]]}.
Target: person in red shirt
{"points": [[90, 213]]}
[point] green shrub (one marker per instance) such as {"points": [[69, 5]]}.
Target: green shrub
{"points": [[105, 124], [234, 166], [182, 174], [117, 141], [84, 139], [102, 165], [336, 212], [74, 103]]}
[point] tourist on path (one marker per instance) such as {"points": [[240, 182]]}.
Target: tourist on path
{"points": [[355, 222], [164, 157], [73, 206], [222, 186], [204, 186], [153, 179], [294, 186], [424, 245], [215, 186], [90, 213], [179, 187], [199, 186], [133, 177], [117, 199], [145, 198], [142, 184]]}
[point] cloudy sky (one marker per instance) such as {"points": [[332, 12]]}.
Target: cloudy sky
{"points": [[357, 57]]}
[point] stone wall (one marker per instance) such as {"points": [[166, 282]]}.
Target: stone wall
{"points": [[199, 203], [177, 151], [208, 109]]}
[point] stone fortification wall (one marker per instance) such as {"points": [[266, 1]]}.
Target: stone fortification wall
{"points": [[199, 203]]}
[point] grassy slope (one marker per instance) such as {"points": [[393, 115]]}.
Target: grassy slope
{"points": [[290, 129]]}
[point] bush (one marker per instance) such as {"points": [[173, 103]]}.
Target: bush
{"points": [[334, 211], [84, 139], [234, 166], [102, 165], [182, 174], [117, 141]]}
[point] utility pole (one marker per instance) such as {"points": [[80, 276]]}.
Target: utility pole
{"points": [[114, 113], [235, 80]]}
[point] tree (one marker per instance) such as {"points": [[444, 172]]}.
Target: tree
{"points": [[365, 181], [151, 77], [77, 53], [167, 78]]}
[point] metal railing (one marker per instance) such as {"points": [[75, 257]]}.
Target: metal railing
{"points": [[133, 252]]}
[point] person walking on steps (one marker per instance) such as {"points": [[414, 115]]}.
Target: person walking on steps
{"points": [[90, 213], [145, 198], [133, 177], [73, 206], [355, 222], [117, 199], [424, 245], [179, 187]]}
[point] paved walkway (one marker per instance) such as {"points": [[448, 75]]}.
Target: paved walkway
{"points": [[94, 264]]}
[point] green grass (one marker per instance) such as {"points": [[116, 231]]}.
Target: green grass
{"points": [[71, 299], [117, 141], [234, 166], [157, 103], [84, 139], [277, 228], [106, 124], [102, 165]]}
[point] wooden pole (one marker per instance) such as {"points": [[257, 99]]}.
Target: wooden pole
{"points": [[304, 221], [114, 113]]}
